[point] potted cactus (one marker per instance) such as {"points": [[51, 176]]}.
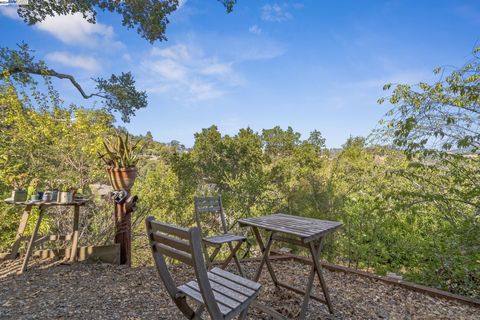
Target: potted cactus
{"points": [[121, 158]]}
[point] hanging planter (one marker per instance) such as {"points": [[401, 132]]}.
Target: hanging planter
{"points": [[121, 158], [122, 178]]}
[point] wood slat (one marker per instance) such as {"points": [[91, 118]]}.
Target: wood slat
{"points": [[196, 295], [175, 243], [219, 297], [228, 292], [233, 277], [224, 238], [174, 253], [230, 284], [172, 230], [306, 228]]}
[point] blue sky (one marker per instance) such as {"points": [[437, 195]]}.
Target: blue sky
{"points": [[306, 64]]}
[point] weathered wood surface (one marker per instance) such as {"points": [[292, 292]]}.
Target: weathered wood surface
{"points": [[306, 228], [224, 238], [34, 239], [222, 293], [107, 254], [214, 206], [305, 232], [48, 204]]}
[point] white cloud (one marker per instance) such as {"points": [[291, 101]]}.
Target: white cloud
{"points": [[10, 12], [276, 12], [73, 29], [187, 73], [255, 29], [181, 3], [86, 63]]}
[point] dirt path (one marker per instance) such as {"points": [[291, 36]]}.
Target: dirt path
{"points": [[86, 291]]}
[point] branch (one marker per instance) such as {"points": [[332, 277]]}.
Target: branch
{"points": [[53, 73]]}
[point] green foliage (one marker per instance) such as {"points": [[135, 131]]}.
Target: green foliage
{"points": [[118, 93], [149, 17], [122, 153], [438, 117]]}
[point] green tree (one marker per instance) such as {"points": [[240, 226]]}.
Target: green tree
{"points": [[149, 17]]}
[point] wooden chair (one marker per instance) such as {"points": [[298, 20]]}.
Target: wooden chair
{"points": [[225, 295], [213, 207]]}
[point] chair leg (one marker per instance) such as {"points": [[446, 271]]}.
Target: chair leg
{"points": [[210, 259], [233, 255], [243, 314], [199, 312]]}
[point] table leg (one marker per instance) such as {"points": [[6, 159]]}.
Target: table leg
{"points": [[76, 217], [31, 243], [318, 269], [308, 290], [21, 229], [266, 258]]}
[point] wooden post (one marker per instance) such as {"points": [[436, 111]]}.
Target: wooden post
{"points": [[124, 206]]}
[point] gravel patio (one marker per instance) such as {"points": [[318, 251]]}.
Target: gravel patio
{"points": [[50, 290]]}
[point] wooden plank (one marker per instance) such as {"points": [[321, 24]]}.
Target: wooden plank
{"points": [[31, 243], [75, 233], [174, 253], [196, 295], [402, 283], [315, 253], [175, 243], [228, 292], [219, 297], [290, 240], [106, 254], [21, 229], [231, 285], [224, 238], [233, 277], [270, 227], [172, 230], [202, 274], [306, 228]]}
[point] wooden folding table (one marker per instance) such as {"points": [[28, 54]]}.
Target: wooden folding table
{"points": [[34, 239], [305, 232]]}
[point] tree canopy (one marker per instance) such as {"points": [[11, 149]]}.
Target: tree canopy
{"points": [[149, 17], [440, 117]]}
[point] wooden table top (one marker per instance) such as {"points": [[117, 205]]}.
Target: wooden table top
{"points": [[307, 229], [47, 204]]}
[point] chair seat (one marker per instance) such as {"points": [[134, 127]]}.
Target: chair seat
{"points": [[232, 293], [224, 238]]}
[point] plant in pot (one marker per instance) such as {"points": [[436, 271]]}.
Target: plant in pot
{"points": [[66, 193], [121, 158], [19, 181], [32, 190]]}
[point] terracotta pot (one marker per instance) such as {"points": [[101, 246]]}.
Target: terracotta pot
{"points": [[122, 178]]}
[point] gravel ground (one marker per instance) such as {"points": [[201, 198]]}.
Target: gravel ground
{"points": [[50, 290]]}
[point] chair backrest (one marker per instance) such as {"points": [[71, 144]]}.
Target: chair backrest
{"points": [[213, 207], [183, 245]]}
